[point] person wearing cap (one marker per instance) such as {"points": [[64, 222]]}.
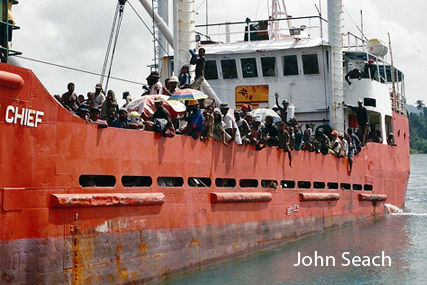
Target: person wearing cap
{"points": [[161, 121], [230, 124], [95, 114], [154, 86], [171, 86], [98, 96], [324, 144], [369, 70], [69, 98], [127, 97], [362, 119], [244, 110], [122, 120], [83, 112], [283, 111], [195, 122]]}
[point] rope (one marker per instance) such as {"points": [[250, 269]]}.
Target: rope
{"points": [[76, 69]]}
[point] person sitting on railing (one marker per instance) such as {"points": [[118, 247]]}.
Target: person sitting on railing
{"points": [[112, 115], [195, 121], [230, 124], [355, 140], [324, 144], [98, 96], [270, 132], [122, 120], [337, 145], [207, 132], [69, 98], [218, 131], [109, 104], [255, 136], [284, 140], [355, 73], [95, 114], [161, 121], [83, 112], [242, 124]]}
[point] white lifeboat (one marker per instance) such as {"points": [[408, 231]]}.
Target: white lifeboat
{"points": [[377, 47]]}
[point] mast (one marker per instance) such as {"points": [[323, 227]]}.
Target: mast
{"points": [[163, 10], [335, 41], [184, 31]]}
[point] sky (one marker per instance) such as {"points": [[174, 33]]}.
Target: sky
{"points": [[76, 33]]}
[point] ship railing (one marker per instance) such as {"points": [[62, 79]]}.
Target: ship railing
{"points": [[353, 42], [398, 102], [271, 29]]}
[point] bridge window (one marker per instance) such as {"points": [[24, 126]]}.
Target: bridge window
{"points": [[249, 68], [310, 64], [357, 187], [229, 69], [225, 182], [199, 182], [268, 66], [137, 181], [211, 70], [290, 65], [97, 180]]}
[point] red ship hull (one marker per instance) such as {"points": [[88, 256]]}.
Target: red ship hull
{"points": [[56, 231]]}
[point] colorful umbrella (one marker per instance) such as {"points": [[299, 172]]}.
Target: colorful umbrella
{"points": [[263, 112], [146, 107], [187, 94]]}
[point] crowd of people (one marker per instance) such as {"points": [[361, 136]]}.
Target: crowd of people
{"points": [[203, 121]]}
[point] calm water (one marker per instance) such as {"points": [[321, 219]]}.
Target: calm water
{"points": [[402, 237]]}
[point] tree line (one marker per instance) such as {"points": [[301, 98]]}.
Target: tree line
{"points": [[418, 128]]}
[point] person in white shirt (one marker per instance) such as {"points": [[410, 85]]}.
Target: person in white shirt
{"points": [[230, 124]]}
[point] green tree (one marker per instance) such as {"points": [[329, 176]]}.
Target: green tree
{"points": [[419, 104]]}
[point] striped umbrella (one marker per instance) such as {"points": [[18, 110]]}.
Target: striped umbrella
{"points": [[188, 94]]}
